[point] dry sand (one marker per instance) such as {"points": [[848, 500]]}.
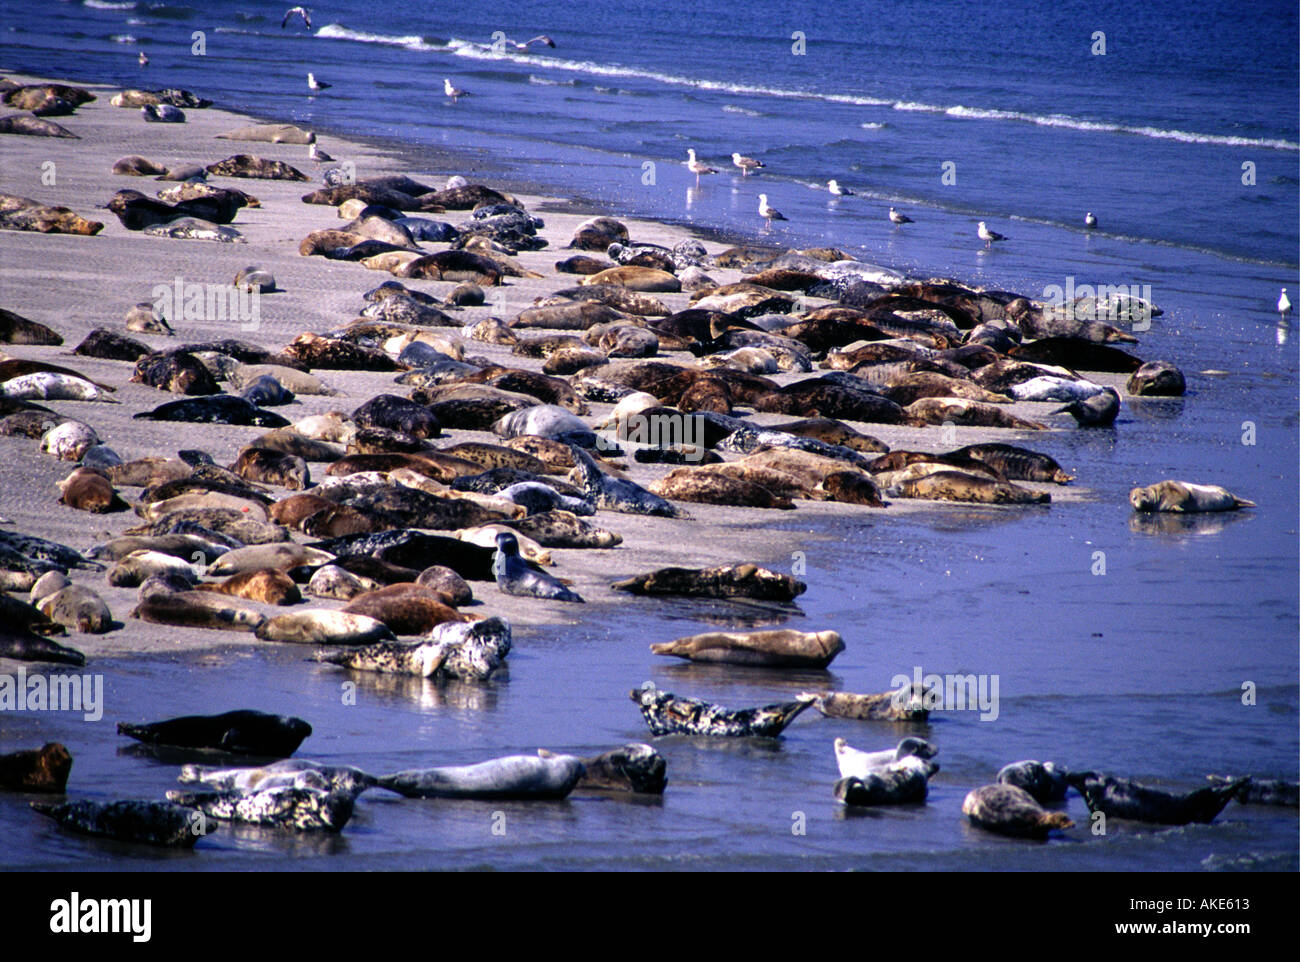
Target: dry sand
{"points": [[74, 284]]}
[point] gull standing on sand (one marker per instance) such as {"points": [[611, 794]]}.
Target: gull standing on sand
{"points": [[318, 155], [455, 93], [1283, 305], [746, 164], [1090, 220], [144, 61], [899, 219], [314, 84], [296, 12], [767, 212], [989, 236], [697, 167], [834, 187]]}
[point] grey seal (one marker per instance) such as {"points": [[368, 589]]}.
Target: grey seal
{"points": [[1124, 798], [1043, 780], [515, 577], [243, 732], [1012, 811], [666, 714], [511, 777]]}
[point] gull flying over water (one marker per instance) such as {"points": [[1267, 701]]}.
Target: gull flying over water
{"points": [[314, 84], [746, 164], [989, 236], [697, 167], [768, 212], [296, 12], [898, 218], [455, 93], [543, 39]]}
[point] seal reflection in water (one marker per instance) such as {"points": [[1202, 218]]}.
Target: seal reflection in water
{"points": [[666, 714]]}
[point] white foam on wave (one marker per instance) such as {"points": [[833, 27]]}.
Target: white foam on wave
{"points": [[122, 38], [336, 31], [733, 109], [107, 5]]}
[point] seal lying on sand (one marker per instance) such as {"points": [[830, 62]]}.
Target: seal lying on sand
{"points": [[40, 770], [512, 777], [722, 581], [242, 732], [515, 577], [1012, 811], [1185, 496], [23, 645], [666, 714], [1123, 798], [902, 783], [615, 494], [302, 809], [151, 823], [782, 648]]}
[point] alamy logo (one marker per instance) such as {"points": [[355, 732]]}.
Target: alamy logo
{"points": [[179, 301], [74, 916], [38, 692], [659, 431], [947, 693], [1105, 302]]}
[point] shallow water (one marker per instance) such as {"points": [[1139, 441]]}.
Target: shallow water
{"points": [[1138, 671]]}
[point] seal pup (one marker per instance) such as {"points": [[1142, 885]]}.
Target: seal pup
{"points": [[515, 577], [1097, 411], [666, 714], [635, 767], [36, 770], [1124, 798], [1008, 810], [268, 585], [902, 783], [164, 824], [856, 764], [517, 777], [286, 806], [1043, 780], [781, 648], [88, 489], [1263, 791], [242, 732], [1183, 496]]}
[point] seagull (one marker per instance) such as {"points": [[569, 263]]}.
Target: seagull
{"points": [[144, 61], [834, 187], [698, 167], [1283, 304], [453, 92], [542, 39], [746, 164], [898, 218], [318, 155], [989, 236], [315, 84], [1090, 220], [297, 11], [767, 212]]}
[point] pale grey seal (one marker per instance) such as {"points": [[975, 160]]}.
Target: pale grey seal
{"points": [[515, 577]]}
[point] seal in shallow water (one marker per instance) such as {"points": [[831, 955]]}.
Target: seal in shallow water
{"points": [[287, 806], [511, 777], [782, 648], [40, 770], [666, 714], [1012, 811], [856, 764], [152, 823], [635, 767], [242, 732], [1043, 780], [1124, 798], [1186, 497], [904, 782]]}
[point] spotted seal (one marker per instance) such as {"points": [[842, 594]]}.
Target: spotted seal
{"points": [[1008, 810], [1043, 780], [288, 806], [241, 732], [721, 581], [164, 824], [666, 714], [79, 609], [341, 778], [512, 777], [634, 767]]}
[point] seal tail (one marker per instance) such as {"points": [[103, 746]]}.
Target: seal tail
{"points": [[1243, 503]]}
